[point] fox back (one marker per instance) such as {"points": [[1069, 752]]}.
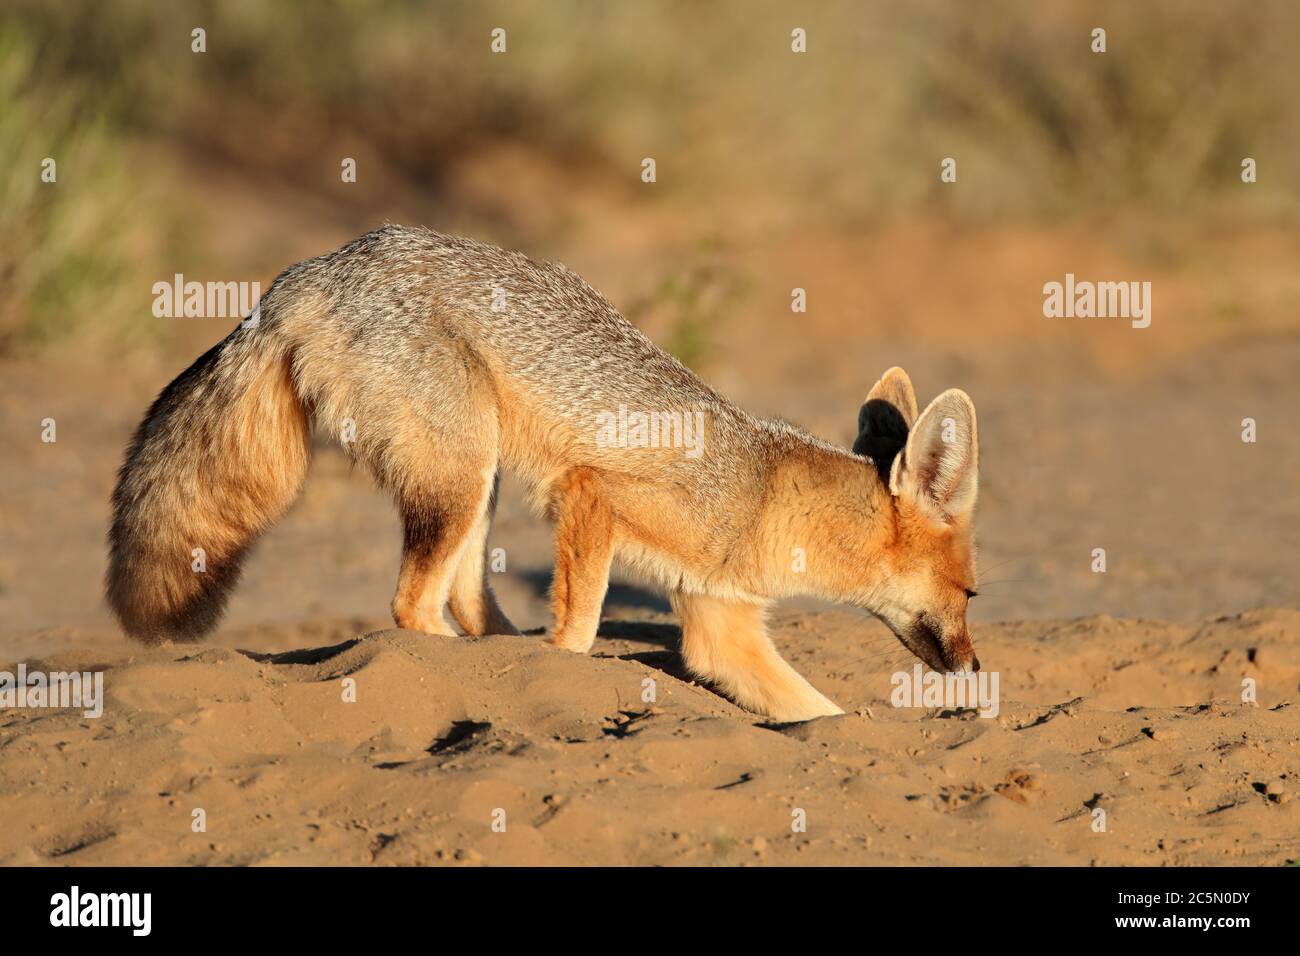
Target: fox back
{"points": [[437, 362]]}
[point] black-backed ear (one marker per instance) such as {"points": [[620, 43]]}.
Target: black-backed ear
{"points": [[896, 388], [884, 420]]}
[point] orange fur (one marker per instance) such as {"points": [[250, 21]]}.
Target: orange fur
{"points": [[397, 346]]}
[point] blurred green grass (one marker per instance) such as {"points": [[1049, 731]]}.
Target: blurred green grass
{"points": [[63, 265], [1042, 128]]}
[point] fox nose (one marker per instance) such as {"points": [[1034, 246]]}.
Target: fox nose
{"points": [[974, 663]]}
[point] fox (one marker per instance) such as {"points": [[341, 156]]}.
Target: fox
{"points": [[441, 362]]}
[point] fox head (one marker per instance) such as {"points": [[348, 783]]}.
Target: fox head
{"points": [[930, 464]]}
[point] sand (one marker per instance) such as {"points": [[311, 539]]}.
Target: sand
{"points": [[504, 750]]}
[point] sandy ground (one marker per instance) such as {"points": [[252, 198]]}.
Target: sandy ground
{"points": [[1120, 692], [504, 750]]}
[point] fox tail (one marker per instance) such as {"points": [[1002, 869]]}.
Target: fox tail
{"points": [[220, 455]]}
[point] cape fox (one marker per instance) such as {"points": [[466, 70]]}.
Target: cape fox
{"points": [[442, 361]]}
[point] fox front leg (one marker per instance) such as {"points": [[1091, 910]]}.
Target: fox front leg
{"points": [[726, 643], [584, 547]]}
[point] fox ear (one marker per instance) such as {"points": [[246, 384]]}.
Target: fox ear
{"points": [[895, 388], [939, 466], [884, 419]]}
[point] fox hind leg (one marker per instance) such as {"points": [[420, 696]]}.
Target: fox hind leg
{"points": [[472, 603], [443, 487], [435, 531], [726, 643]]}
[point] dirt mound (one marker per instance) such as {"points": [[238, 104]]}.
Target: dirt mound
{"points": [[400, 748]]}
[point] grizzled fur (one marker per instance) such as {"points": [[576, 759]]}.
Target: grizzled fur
{"points": [[440, 361]]}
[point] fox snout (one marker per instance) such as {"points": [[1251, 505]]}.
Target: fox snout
{"points": [[950, 651], [958, 652]]}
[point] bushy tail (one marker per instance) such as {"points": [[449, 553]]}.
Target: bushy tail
{"points": [[219, 457]]}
